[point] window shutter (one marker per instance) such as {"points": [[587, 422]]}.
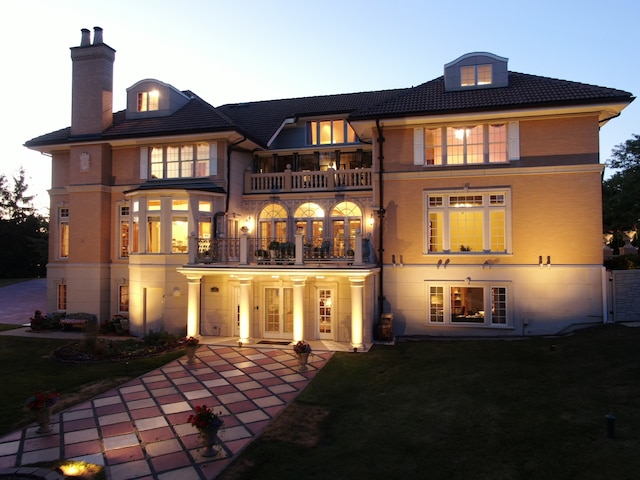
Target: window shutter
{"points": [[514, 141], [418, 146], [213, 158], [144, 163]]}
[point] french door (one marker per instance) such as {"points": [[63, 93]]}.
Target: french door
{"points": [[278, 312], [325, 313]]}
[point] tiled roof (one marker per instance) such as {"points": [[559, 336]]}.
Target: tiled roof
{"points": [[524, 90], [203, 184], [260, 120]]}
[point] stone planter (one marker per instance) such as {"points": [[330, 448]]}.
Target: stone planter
{"points": [[191, 354], [209, 436], [43, 419]]}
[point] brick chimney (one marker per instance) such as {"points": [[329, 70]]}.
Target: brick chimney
{"points": [[92, 85]]}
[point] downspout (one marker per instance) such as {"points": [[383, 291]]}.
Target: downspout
{"points": [[381, 213], [228, 189]]}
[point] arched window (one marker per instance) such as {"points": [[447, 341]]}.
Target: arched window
{"points": [[346, 219], [273, 224], [309, 219]]}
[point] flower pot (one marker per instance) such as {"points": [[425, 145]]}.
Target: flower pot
{"points": [[43, 418], [303, 358], [209, 436], [191, 354]]}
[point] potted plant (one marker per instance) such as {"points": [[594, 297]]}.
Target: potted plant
{"points": [[191, 345], [41, 404], [302, 350], [208, 423]]}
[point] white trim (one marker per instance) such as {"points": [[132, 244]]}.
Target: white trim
{"points": [[213, 158], [513, 140]]}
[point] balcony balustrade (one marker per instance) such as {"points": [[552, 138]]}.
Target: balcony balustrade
{"points": [[246, 251], [309, 181]]}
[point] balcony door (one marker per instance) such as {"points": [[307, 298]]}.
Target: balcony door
{"points": [[278, 312], [325, 313]]}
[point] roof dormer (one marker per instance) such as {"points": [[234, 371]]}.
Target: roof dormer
{"points": [[476, 70], [153, 98]]}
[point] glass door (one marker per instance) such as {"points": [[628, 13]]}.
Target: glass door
{"points": [[325, 313], [278, 312]]}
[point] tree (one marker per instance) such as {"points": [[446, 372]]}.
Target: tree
{"points": [[23, 232], [621, 192]]}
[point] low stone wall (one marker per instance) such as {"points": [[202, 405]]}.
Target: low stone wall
{"points": [[625, 295]]}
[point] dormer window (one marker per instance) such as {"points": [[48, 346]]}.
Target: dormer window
{"points": [[475, 75], [328, 132], [476, 71], [148, 101]]}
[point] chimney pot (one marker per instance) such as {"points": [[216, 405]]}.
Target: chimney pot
{"points": [[97, 36], [85, 41]]}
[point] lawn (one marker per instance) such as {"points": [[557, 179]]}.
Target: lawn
{"points": [[26, 368], [531, 408]]}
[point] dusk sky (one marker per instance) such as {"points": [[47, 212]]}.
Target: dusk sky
{"points": [[235, 51]]}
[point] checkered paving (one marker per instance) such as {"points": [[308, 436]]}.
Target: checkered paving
{"points": [[140, 430]]}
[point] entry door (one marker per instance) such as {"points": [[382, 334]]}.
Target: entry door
{"points": [[325, 313], [278, 312]]}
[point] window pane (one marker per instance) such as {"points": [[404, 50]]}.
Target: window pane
{"points": [[466, 231], [435, 232], [475, 144], [467, 304], [124, 238], [123, 298], [325, 132], [484, 74], [338, 131], [157, 167], [62, 296], [436, 304], [180, 204], [497, 231], [499, 305], [179, 235], [153, 204], [455, 146], [153, 235], [64, 240], [433, 148], [498, 143], [202, 168], [467, 76]]}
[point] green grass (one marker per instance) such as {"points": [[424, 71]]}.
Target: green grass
{"points": [[26, 368], [466, 409]]}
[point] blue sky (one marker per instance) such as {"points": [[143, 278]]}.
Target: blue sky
{"points": [[233, 51]]}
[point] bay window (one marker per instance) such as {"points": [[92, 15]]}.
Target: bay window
{"points": [[181, 161]]}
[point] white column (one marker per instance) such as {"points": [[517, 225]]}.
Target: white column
{"points": [[245, 310], [357, 296], [298, 308], [193, 306]]}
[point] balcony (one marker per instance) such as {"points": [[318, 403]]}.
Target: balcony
{"points": [[308, 181], [252, 252]]}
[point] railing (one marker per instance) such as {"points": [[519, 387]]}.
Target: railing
{"points": [[254, 251], [289, 181]]}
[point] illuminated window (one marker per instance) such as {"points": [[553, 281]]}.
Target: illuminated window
{"points": [[124, 236], [180, 161], [179, 234], [346, 220], [148, 101], [462, 304], [308, 220], [476, 75], [153, 234], [123, 298], [272, 224], [466, 223], [465, 145], [62, 297], [63, 225], [328, 132]]}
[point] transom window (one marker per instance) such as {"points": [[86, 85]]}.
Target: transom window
{"points": [[465, 145], [148, 101], [466, 223], [327, 132], [475, 75], [180, 161]]}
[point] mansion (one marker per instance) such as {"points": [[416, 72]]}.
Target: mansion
{"points": [[467, 205]]}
